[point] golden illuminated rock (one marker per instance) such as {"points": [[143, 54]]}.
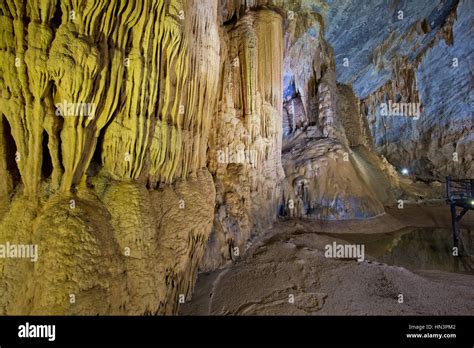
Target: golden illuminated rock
{"points": [[108, 103]]}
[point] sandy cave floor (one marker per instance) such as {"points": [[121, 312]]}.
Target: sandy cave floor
{"points": [[407, 253]]}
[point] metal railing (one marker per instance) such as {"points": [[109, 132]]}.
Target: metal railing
{"points": [[459, 193], [459, 188]]}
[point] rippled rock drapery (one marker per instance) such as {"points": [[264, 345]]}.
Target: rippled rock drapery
{"points": [[102, 104], [246, 146]]}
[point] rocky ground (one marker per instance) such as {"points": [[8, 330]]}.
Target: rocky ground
{"points": [[285, 271]]}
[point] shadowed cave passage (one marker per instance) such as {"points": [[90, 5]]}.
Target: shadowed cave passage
{"points": [[239, 155]]}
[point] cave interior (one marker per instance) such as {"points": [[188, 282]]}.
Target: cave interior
{"points": [[163, 157]]}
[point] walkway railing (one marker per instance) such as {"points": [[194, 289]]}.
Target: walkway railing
{"points": [[459, 193]]}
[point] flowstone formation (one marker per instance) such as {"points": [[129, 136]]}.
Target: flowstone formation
{"points": [[329, 170], [245, 154], [104, 105]]}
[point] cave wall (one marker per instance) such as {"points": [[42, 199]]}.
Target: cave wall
{"points": [[330, 172], [404, 52], [445, 91], [106, 111]]}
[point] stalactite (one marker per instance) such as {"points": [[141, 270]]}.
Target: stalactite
{"points": [[141, 77], [248, 123], [401, 88]]}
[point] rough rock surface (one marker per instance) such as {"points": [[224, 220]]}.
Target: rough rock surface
{"points": [[124, 250], [324, 183], [417, 55]]}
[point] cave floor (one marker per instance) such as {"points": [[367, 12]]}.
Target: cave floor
{"points": [[407, 260]]}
